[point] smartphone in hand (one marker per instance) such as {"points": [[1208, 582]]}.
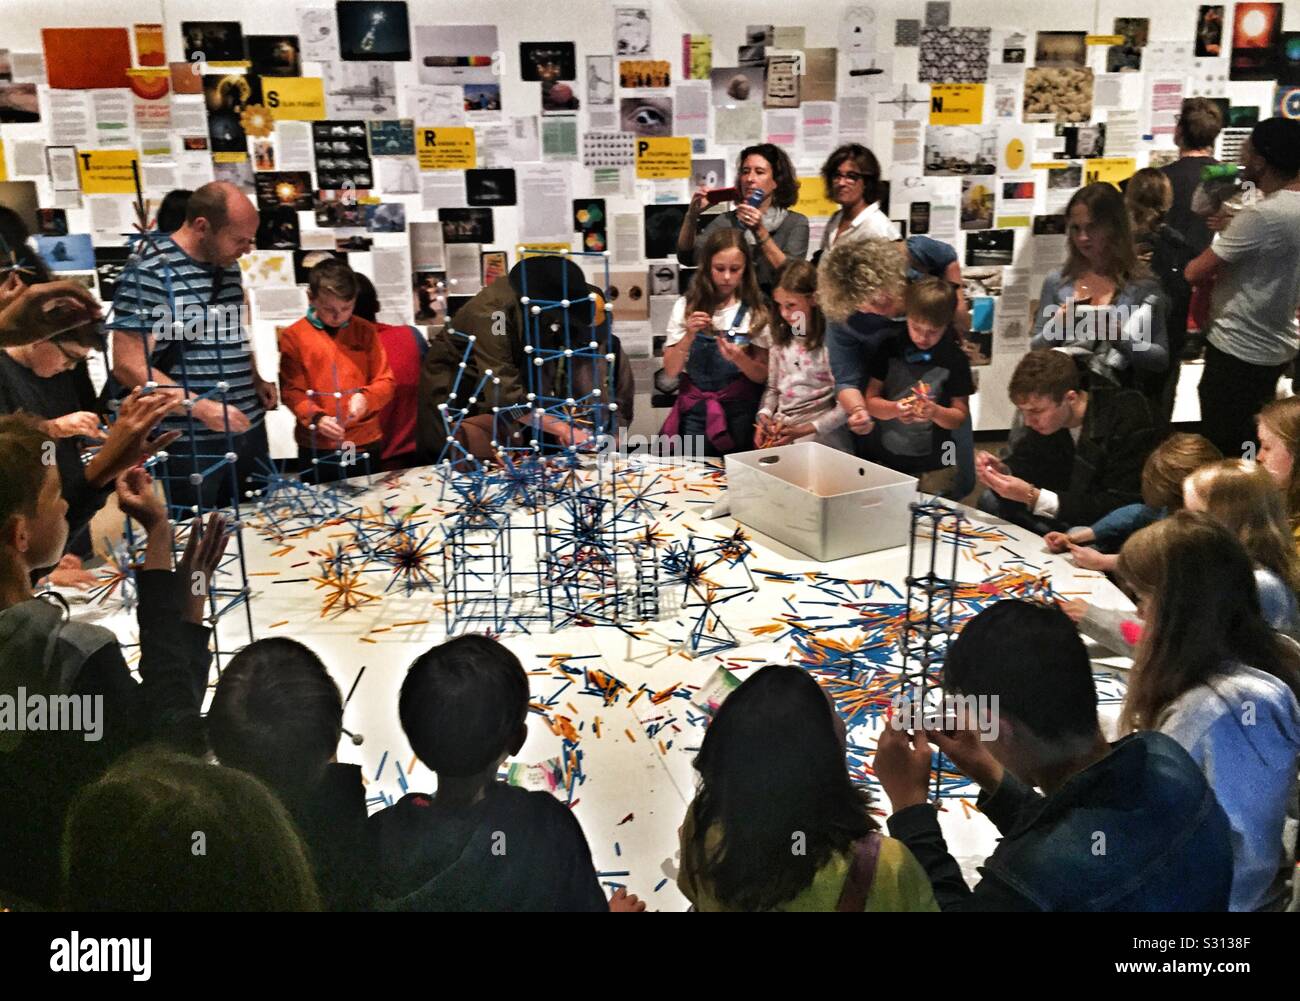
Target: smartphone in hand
{"points": [[721, 195]]}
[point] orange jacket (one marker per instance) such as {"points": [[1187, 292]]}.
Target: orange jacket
{"points": [[310, 359]]}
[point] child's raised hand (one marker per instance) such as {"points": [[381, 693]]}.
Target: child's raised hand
{"points": [[625, 903]]}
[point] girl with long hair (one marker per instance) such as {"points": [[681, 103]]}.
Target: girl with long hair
{"points": [[776, 823], [716, 348], [1210, 673]]}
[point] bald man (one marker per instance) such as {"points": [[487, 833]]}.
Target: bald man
{"points": [[179, 319]]}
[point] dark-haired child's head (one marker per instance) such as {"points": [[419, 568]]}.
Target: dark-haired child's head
{"points": [[931, 304], [33, 510], [277, 714], [1027, 659], [169, 832], [772, 762], [464, 705]]}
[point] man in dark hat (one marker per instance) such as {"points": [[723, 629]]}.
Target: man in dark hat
{"points": [[1254, 264], [499, 336]]}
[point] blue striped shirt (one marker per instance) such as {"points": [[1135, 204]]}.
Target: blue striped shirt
{"points": [[199, 340]]}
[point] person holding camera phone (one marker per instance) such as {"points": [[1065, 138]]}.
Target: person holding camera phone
{"points": [[716, 348], [766, 188]]}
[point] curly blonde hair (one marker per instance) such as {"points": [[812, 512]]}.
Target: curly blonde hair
{"points": [[850, 275]]}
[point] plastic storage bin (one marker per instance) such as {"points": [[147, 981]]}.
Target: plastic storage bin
{"points": [[823, 502]]}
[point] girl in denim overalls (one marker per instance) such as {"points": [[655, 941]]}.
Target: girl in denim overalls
{"points": [[716, 348]]}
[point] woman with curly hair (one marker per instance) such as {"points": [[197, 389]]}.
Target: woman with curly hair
{"points": [[773, 233], [860, 287]]}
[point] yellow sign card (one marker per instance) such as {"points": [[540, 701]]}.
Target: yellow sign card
{"points": [[1110, 169], [107, 171], [813, 202], [663, 157], [956, 103], [294, 99], [445, 147]]}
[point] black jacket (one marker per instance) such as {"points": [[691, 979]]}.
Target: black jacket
{"points": [[514, 850], [332, 821], [1139, 830], [41, 775], [1104, 470]]}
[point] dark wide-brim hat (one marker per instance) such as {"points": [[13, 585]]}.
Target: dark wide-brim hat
{"points": [[553, 278]]}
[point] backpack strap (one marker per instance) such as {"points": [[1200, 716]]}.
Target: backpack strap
{"points": [[862, 873]]}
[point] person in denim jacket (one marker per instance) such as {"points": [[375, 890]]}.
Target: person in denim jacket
{"points": [[1128, 826]]}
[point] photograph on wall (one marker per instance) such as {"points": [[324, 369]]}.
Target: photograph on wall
{"points": [[664, 278], [86, 58], [277, 228], [958, 150], [459, 53], [340, 209], [274, 55], [1060, 48], [1058, 94], [1083, 142], [429, 294], [754, 52], [1049, 225], [392, 137], [631, 31], [990, 248], [559, 97], [1289, 59], [709, 173], [590, 221], [52, 222], [74, 252], [361, 90], [467, 225], [386, 217], [482, 97], [1128, 56], [977, 198], [237, 172], [490, 187], [374, 30], [227, 97], [646, 116], [342, 155], [541, 61], [398, 175], [662, 224], [493, 264], [954, 55], [284, 187], [600, 80], [305, 260], [627, 293], [737, 85], [1209, 31], [1065, 178], [19, 103], [213, 41], [1256, 41], [636, 74]]}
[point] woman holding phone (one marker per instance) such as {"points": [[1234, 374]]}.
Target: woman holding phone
{"points": [[1104, 306], [766, 188]]}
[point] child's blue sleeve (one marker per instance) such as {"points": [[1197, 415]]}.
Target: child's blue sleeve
{"points": [[1118, 525]]}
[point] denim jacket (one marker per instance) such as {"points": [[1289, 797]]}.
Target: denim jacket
{"points": [[1140, 830]]}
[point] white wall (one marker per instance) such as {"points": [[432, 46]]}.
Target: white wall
{"points": [[590, 25]]}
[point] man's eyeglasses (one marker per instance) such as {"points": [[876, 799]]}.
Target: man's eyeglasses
{"points": [[71, 358]]}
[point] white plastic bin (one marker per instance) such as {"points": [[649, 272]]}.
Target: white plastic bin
{"points": [[823, 502]]}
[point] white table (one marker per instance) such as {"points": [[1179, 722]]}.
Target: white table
{"points": [[636, 787]]}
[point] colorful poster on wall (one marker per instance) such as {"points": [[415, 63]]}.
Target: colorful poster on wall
{"points": [[1256, 40], [86, 58]]}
